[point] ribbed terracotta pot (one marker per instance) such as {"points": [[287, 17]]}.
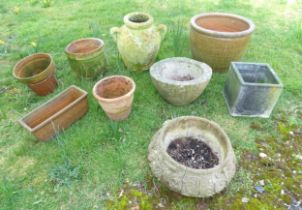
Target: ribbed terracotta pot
{"points": [[86, 57], [186, 180], [38, 72], [115, 95], [219, 38], [138, 40]]}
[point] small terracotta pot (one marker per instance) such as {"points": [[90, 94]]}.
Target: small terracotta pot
{"points": [[38, 72], [115, 95], [219, 38], [86, 57]]}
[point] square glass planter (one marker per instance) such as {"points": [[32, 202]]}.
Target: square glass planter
{"points": [[57, 114], [251, 89]]}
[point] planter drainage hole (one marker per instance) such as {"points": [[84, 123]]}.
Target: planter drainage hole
{"points": [[139, 18], [192, 153]]}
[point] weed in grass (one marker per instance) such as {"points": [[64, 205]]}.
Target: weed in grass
{"points": [[178, 36], [95, 29], [47, 3]]}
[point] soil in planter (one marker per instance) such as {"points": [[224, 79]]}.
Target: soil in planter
{"points": [[192, 153], [183, 78]]}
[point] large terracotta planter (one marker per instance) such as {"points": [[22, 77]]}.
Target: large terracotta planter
{"points": [[185, 180], [251, 89], [138, 40], [180, 80], [115, 95], [219, 38], [57, 114], [38, 72], [86, 57]]}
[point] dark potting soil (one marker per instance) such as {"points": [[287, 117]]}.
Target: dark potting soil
{"points": [[183, 78], [192, 153]]}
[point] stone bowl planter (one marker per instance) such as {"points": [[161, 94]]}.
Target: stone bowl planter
{"points": [[57, 114], [180, 80], [86, 57], [186, 180], [115, 95], [38, 72], [251, 89], [219, 38]]}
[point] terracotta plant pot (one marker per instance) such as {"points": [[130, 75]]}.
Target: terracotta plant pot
{"points": [[219, 38], [115, 95], [38, 72], [180, 80], [186, 180], [57, 114], [252, 89], [138, 41], [86, 57]]}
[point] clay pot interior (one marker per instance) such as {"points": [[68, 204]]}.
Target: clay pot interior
{"points": [[65, 100], [114, 87], [255, 73], [138, 18], [222, 23], [84, 46], [32, 66], [178, 71]]}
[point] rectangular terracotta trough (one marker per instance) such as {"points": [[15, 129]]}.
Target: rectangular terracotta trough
{"points": [[57, 114]]}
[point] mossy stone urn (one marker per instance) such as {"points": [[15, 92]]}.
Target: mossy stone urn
{"points": [[138, 40], [189, 181]]}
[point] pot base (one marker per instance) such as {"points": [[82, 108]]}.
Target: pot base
{"points": [[45, 86], [120, 115]]}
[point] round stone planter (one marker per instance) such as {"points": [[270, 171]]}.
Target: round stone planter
{"points": [[86, 57], [38, 72], [219, 38], [185, 180], [138, 40], [180, 80], [115, 95]]}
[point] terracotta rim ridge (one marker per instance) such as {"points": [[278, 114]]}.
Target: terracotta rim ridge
{"points": [[138, 25], [222, 133], [207, 70], [251, 25], [100, 47], [24, 60], [130, 92]]}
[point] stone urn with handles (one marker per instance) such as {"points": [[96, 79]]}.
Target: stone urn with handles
{"points": [[138, 40]]}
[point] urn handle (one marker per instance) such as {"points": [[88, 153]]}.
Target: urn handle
{"points": [[162, 30], [114, 32]]}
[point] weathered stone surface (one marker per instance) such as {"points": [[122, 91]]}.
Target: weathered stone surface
{"points": [[251, 89], [180, 80], [190, 181]]}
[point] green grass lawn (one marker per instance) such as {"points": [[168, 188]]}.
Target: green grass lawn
{"points": [[88, 165]]}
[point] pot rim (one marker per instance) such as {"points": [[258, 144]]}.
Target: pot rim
{"points": [[99, 98], [86, 54], [219, 33], [140, 25], [43, 74], [207, 71], [220, 165]]}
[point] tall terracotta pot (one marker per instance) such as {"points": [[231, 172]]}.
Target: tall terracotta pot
{"points": [[38, 72], [138, 40], [86, 57], [115, 95], [219, 38]]}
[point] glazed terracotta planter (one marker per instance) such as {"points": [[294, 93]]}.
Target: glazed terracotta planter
{"points": [[138, 40], [86, 57], [38, 72], [219, 38], [186, 180], [115, 95], [180, 80], [57, 114], [252, 89]]}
